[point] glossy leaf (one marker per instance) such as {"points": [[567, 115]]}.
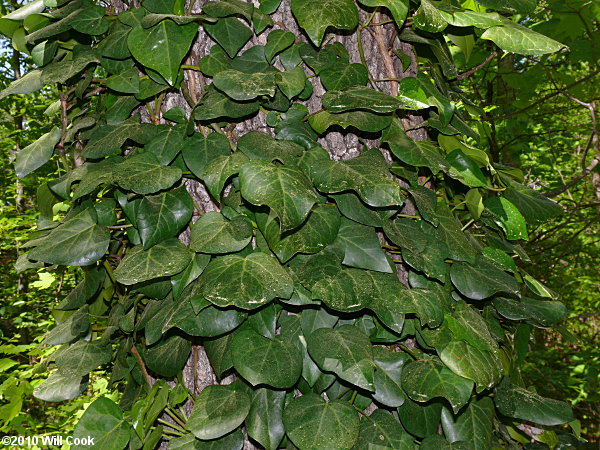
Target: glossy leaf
{"points": [[474, 424], [514, 401], [103, 422], [82, 358], [217, 411], [164, 259], [311, 422], [243, 86], [213, 233], [345, 351], [398, 8], [58, 388], [425, 380], [481, 366], [465, 170], [512, 37], [285, 190], [168, 357], [230, 33], [388, 368], [245, 282], [276, 362], [361, 120], [420, 419], [361, 247], [143, 174], [169, 44], [382, 431], [508, 217], [341, 76], [314, 19], [79, 241], [162, 216], [265, 419], [481, 281], [360, 98], [36, 154]]}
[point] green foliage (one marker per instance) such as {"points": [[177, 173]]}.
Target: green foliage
{"points": [[287, 283]]}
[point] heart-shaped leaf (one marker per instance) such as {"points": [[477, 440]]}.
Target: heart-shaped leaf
{"points": [[481, 366], [276, 362], [382, 431], [169, 43], [481, 281], [314, 19], [217, 411], [36, 154], [143, 174], [243, 86], [311, 422], [103, 422], [265, 419], [215, 234], [473, 424], [58, 388], [361, 247], [162, 260]]}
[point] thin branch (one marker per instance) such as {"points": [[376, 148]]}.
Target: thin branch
{"points": [[140, 362], [468, 73]]}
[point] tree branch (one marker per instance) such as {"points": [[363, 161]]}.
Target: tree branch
{"points": [[468, 73]]}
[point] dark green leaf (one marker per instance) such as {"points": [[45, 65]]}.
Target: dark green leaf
{"points": [[265, 419], [168, 357], [58, 388], [388, 368], [345, 351], [542, 312], [246, 282], [360, 98], [276, 362], [243, 86], [311, 422], [382, 431], [428, 18], [77, 242], [217, 411], [362, 120], [230, 33], [169, 43], [143, 174], [36, 154], [162, 216], [278, 41], [82, 358], [508, 217], [474, 424], [533, 206], [514, 401], [69, 329], [166, 258], [481, 281], [314, 19], [103, 422], [285, 190], [225, 8], [465, 170], [341, 76], [424, 380], [481, 366], [257, 145], [213, 233], [420, 419], [361, 247]]}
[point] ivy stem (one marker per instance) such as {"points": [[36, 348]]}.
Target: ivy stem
{"points": [[409, 351], [344, 392], [172, 425], [174, 416], [118, 227], [140, 362], [467, 225], [409, 216], [354, 394], [363, 60]]}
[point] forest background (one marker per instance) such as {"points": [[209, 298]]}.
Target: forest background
{"points": [[541, 116]]}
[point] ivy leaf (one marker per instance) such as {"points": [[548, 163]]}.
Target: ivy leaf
{"points": [[465, 170], [220, 169], [258, 145], [168, 357], [30, 82], [311, 422], [365, 174], [103, 422], [512, 37], [82, 358], [533, 206], [508, 217], [340, 76], [168, 142], [245, 282], [481, 281], [420, 419], [427, 304], [219, 353], [318, 231], [437, 442], [74, 327], [265, 419], [278, 41], [244, 86], [58, 388], [361, 120], [79, 241], [418, 154], [513, 401], [424, 380], [90, 21], [407, 233], [276, 361], [314, 19], [127, 81], [360, 98], [230, 33], [543, 312], [382, 431], [107, 139], [345, 351], [162, 260], [361, 247], [355, 209], [428, 18], [169, 43], [468, 325], [388, 368], [398, 8], [449, 233], [217, 411], [36, 154], [474, 424], [161, 216], [199, 151], [143, 174], [213, 233], [291, 82], [231, 441], [215, 104], [483, 367], [225, 8], [285, 190]]}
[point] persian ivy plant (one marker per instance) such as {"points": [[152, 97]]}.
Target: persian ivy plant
{"points": [[289, 232]]}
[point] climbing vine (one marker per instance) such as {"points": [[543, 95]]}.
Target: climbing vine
{"points": [[347, 303]]}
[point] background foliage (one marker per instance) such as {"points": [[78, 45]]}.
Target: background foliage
{"points": [[317, 241]]}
